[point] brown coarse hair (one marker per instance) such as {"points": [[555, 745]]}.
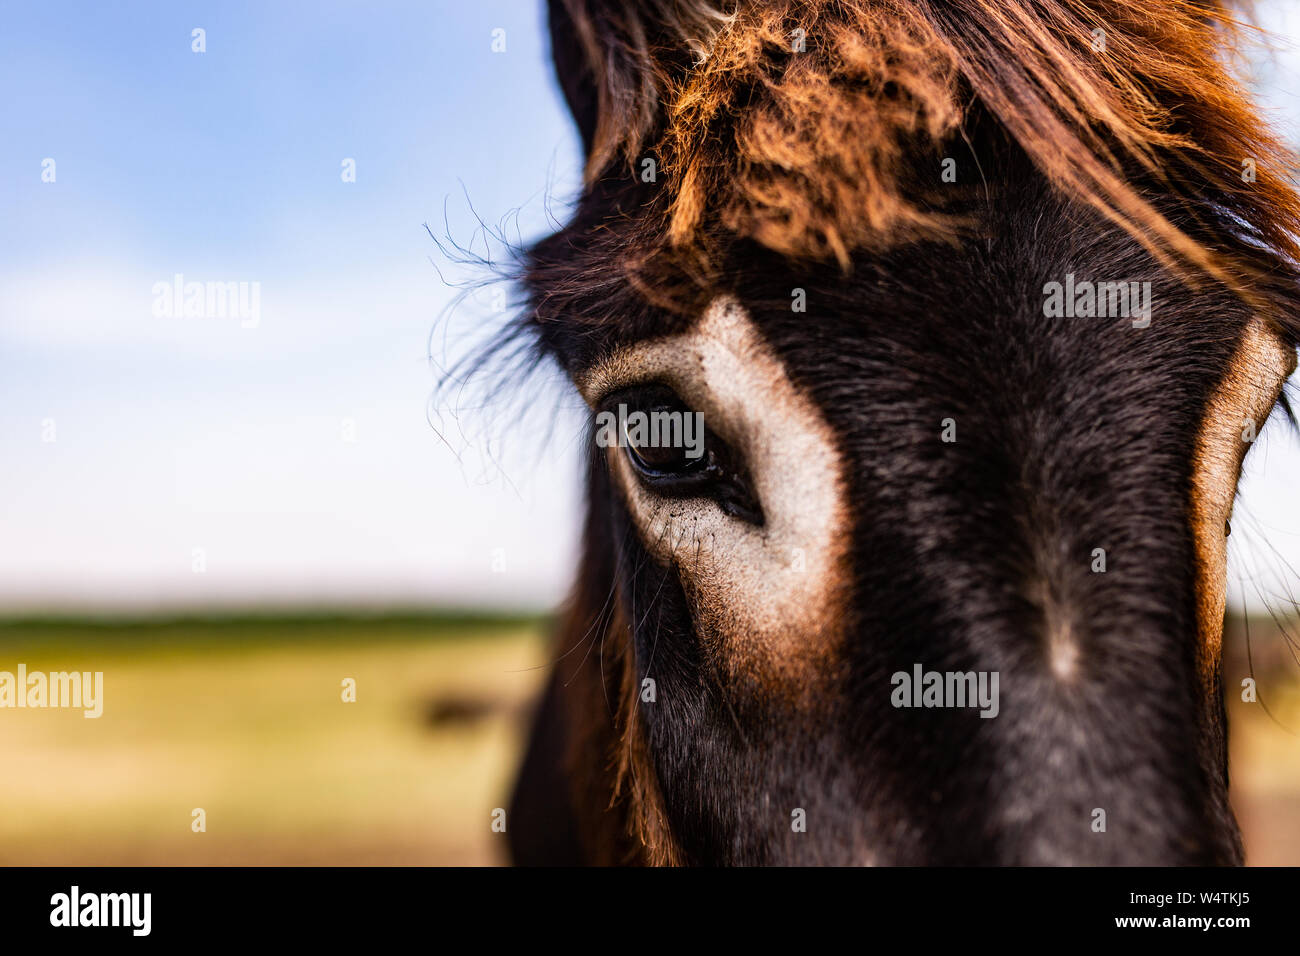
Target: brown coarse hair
{"points": [[795, 123]]}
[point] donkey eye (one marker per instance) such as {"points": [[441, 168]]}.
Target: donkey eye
{"points": [[661, 461], [661, 436], [672, 452]]}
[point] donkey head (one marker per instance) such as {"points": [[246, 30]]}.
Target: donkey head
{"points": [[960, 316]]}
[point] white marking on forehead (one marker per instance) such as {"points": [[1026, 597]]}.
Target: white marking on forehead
{"points": [[1063, 650], [1065, 656], [1062, 646], [1247, 394], [768, 599]]}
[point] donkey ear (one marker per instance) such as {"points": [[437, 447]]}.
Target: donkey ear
{"points": [[573, 71], [614, 59], [602, 54]]}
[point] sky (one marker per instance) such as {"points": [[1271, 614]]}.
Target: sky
{"points": [[298, 452]]}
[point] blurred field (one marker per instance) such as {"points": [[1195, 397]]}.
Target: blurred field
{"points": [[1264, 737], [244, 718]]}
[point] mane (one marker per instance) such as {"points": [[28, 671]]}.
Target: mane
{"points": [[819, 152]]}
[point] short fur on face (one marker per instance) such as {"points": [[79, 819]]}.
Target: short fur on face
{"points": [[937, 458]]}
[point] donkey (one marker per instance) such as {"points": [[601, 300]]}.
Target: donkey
{"points": [[841, 232]]}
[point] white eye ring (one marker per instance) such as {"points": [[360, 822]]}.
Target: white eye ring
{"points": [[772, 593]]}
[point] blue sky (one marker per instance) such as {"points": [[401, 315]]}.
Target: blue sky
{"points": [[172, 434]]}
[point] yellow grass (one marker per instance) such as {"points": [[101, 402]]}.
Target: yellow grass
{"points": [[260, 739]]}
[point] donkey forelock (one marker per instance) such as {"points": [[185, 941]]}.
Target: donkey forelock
{"points": [[835, 537], [803, 124]]}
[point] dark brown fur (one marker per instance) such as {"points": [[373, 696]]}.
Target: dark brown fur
{"points": [[826, 162]]}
